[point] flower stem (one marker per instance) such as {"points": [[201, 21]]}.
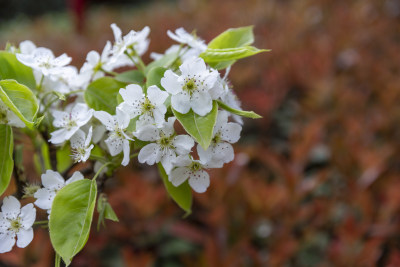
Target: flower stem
{"points": [[40, 222], [57, 260], [99, 171]]}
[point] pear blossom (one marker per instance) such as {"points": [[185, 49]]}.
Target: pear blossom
{"points": [[118, 140], [193, 89], [65, 81], [80, 145], [15, 222], [135, 43], [187, 168], [165, 146], [96, 64], [27, 47], [9, 117], [43, 60], [69, 121], [225, 133], [52, 182], [183, 37], [150, 108]]}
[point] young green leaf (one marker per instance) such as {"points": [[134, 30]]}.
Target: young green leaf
{"points": [[229, 54], [130, 76], [105, 211], [199, 127], [71, 217], [20, 100], [234, 37], [248, 114], [102, 94], [166, 61], [154, 77], [182, 194], [6, 156], [11, 68]]}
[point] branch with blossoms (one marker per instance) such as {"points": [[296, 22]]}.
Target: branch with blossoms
{"points": [[96, 119]]}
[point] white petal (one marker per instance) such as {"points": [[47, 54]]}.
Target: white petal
{"points": [[201, 103], [11, 207], [28, 215], [181, 102], [222, 120], [230, 132], [156, 96], [193, 66], [132, 110], [59, 136], [123, 118], [44, 198], [182, 161], [168, 127], [179, 175], [116, 31], [167, 161], [52, 180], [106, 119], [89, 136], [159, 116], [24, 237], [170, 82], [78, 139], [147, 133], [149, 154], [132, 94], [127, 152], [93, 58], [114, 145], [205, 155], [223, 152], [199, 181], [7, 241], [76, 176], [183, 144]]}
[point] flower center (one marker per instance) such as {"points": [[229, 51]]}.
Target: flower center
{"points": [[190, 86], [195, 166], [217, 138], [165, 142], [70, 124], [15, 224], [78, 153], [147, 107]]}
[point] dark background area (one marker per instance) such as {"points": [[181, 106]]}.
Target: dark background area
{"points": [[316, 182]]}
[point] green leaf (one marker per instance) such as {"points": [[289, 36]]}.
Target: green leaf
{"points": [[199, 127], [166, 61], [234, 37], [64, 159], [248, 114], [6, 156], [221, 65], [20, 100], [130, 76], [102, 94], [154, 77], [71, 216], [228, 54], [105, 211], [11, 68], [182, 194]]}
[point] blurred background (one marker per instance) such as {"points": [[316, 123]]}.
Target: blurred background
{"points": [[316, 182]]}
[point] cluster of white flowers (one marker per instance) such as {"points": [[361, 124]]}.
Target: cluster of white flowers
{"points": [[143, 118]]}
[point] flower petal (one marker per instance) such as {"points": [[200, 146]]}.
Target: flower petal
{"points": [[199, 181], [181, 102], [170, 82], [76, 176], [201, 103], [11, 207], [106, 119], [24, 237], [7, 241], [156, 96], [132, 94], [28, 215], [44, 198], [183, 144], [52, 180], [179, 175], [127, 152], [149, 154], [230, 132]]}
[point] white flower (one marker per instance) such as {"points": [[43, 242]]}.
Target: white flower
{"points": [[27, 47], [183, 37], [134, 42], [194, 170], [80, 145], [193, 88], [150, 108], [65, 81], [9, 117], [117, 141], [15, 221], [69, 121], [225, 133], [44, 61], [96, 64], [166, 147], [52, 182]]}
